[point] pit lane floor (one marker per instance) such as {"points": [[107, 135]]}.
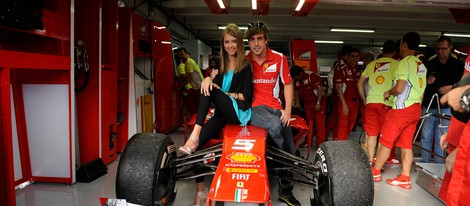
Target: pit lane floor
{"points": [[88, 194]]}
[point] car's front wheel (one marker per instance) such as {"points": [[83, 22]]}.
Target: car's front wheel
{"points": [[143, 175], [345, 177]]}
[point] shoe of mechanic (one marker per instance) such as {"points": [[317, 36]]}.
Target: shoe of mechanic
{"points": [[376, 174], [402, 181], [393, 161]]}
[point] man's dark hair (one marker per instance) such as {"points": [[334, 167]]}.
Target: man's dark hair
{"points": [[355, 50], [346, 50], [216, 62], [412, 39], [389, 47], [182, 49], [368, 56], [445, 38], [255, 28], [295, 70]]}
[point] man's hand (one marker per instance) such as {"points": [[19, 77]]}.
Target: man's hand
{"points": [[452, 98], [345, 109], [443, 90], [387, 95], [214, 72], [296, 105], [285, 117], [450, 160], [443, 142], [431, 79]]}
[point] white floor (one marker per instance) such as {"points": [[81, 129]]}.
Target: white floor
{"points": [[78, 194]]}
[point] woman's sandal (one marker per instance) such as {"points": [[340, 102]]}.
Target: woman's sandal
{"points": [[188, 151], [202, 195]]}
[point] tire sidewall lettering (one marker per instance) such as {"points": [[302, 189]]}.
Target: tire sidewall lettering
{"points": [[322, 161]]}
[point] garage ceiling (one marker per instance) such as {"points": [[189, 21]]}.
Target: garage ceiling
{"points": [[389, 18]]}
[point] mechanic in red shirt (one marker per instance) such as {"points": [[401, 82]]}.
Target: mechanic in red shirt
{"points": [[308, 86], [346, 85], [270, 69], [332, 122], [449, 142], [459, 187], [213, 69]]}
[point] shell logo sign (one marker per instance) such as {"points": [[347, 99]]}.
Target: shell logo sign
{"points": [[380, 79], [243, 157]]}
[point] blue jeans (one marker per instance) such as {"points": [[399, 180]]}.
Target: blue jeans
{"points": [[269, 118], [431, 132]]}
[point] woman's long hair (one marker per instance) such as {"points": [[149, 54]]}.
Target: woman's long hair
{"points": [[240, 58]]}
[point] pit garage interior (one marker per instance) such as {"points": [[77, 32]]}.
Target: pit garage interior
{"points": [[78, 78]]}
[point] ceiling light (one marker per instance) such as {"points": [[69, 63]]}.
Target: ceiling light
{"points": [[423, 45], [218, 6], [302, 7], [240, 27], [221, 4], [328, 42], [353, 30], [459, 52], [299, 5], [159, 27], [457, 35]]}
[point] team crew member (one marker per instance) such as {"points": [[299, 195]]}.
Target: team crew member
{"points": [[193, 80], [450, 142], [400, 122], [332, 122], [380, 74], [310, 88], [367, 58], [270, 68], [459, 187], [444, 70], [212, 70], [346, 85]]}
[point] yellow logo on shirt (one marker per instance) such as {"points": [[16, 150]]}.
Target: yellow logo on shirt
{"points": [[420, 82], [380, 79]]}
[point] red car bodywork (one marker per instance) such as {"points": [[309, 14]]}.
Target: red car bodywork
{"points": [[242, 175]]}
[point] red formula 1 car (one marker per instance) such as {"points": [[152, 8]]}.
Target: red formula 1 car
{"points": [[149, 167]]}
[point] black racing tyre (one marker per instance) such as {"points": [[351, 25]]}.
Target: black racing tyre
{"points": [[143, 176], [345, 177]]}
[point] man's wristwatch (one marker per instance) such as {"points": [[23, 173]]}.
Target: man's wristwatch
{"points": [[465, 100]]}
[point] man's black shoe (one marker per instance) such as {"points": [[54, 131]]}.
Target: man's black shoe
{"points": [[289, 200]]}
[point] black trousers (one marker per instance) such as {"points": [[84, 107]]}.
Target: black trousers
{"points": [[224, 114]]}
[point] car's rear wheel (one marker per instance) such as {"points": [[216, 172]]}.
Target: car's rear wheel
{"points": [[143, 176], [345, 177]]}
